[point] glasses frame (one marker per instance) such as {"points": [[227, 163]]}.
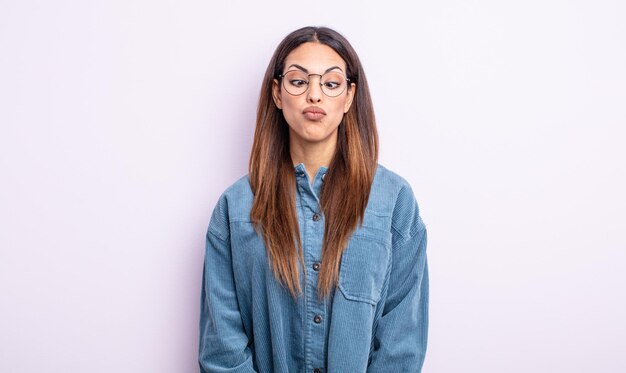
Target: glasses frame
{"points": [[308, 84]]}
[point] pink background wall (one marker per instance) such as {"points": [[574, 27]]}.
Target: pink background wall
{"points": [[123, 121]]}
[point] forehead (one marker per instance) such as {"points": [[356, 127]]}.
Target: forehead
{"points": [[315, 57]]}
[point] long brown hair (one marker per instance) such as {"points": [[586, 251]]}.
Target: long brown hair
{"points": [[346, 186]]}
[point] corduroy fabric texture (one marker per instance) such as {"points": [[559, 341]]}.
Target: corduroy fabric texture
{"points": [[375, 321]]}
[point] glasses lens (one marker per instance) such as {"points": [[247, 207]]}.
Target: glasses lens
{"points": [[295, 82], [333, 83]]}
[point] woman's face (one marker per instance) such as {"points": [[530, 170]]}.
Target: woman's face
{"points": [[313, 116]]}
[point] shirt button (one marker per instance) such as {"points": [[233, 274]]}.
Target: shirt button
{"points": [[317, 319], [323, 176], [317, 370], [316, 217], [316, 266]]}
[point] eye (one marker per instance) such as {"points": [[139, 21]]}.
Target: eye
{"points": [[332, 85], [298, 82]]}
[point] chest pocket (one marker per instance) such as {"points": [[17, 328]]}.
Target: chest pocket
{"points": [[364, 265]]}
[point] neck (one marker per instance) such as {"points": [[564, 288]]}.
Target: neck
{"points": [[312, 154]]}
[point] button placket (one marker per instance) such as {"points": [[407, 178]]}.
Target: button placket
{"points": [[316, 308], [312, 230]]}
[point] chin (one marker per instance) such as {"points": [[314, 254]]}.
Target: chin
{"points": [[314, 136], [312, 132]]}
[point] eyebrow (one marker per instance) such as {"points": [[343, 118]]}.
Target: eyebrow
{"points": [[307, 71]]}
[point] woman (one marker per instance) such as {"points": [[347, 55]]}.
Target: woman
{"points": [[315, 260]]}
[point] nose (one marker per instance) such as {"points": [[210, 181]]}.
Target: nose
{"points": [[314, 93]]}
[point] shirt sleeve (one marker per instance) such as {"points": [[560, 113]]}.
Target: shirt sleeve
{"points": [[401, 336], [224, 345]]}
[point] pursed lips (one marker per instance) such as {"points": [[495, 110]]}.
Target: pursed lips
{"points": [[314, 113]]}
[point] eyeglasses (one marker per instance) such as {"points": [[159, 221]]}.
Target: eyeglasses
{"points": [[296, 82]]}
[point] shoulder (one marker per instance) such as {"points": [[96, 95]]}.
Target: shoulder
{"points": [[389, 188], [239, 190], [234, 204], [392, 195], [387, 178]]}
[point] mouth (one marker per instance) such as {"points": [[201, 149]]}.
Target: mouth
{"points": [[314, 113]]}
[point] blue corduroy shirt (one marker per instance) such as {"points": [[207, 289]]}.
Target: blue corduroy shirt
{"points": [[376, 320]]}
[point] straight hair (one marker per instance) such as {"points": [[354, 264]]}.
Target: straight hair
{"points": [[346, 188]]}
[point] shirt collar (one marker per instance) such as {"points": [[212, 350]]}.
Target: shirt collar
{"points": [[299, 168]]}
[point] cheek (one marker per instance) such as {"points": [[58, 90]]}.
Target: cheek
{"points": [[290, 109], [338, 108], [289, 103]]}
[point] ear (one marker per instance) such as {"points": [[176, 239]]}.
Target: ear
{"points": [[276, 94], [350, 97]]}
